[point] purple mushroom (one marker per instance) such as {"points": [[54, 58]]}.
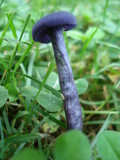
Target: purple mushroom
{"points": [[49, 29]]}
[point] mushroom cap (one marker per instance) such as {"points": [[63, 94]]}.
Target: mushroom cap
{"points": [[62, 20]]}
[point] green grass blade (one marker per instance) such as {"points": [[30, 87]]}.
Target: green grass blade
{"points": [[97, 103], [2, 141], [107, 68], [101, 112], [1, 2], [19, 148], [103, 128], [43, 83], [25, 25], [105, 10], [30, 68], [17, 45], [5, 30], [55, 92], [22, 138], [7, 122], [3, 63], [12, 26], [101, 122], [23, 56], [87, 43], [110, 94]]}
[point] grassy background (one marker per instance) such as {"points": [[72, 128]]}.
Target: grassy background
{"points": [[28, 71]]}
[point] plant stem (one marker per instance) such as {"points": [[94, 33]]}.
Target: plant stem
{"points": [[69, 91]]}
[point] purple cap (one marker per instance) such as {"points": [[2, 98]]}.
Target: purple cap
{"points": [[63, 20]]}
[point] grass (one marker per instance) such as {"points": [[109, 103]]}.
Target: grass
{"points": [[29, 79]]}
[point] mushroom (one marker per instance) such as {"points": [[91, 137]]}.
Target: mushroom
{"points": [[49, 29]]}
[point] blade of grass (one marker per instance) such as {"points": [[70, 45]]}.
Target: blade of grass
{"points": [[103, 128], [2, 141], [22, 138], [21, 127], [55, 92], [3, 63], [28, 81], [7, 122], [19, 148], [105, 101], [66, 43], [17, 45], [117, 107], [23, 57], [23, 69], [12, 26], [5, 29], [97, 102], [110, 94], [39, 144], [30, 68], [99, 122], [3, 76], [42, 84], [107, 68], [109, 45], [87, 43], [21, 114], [101, 112], [105, 10], [1, 2]]}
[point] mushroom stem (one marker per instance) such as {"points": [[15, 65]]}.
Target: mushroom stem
{"points": [[69, 91]]}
